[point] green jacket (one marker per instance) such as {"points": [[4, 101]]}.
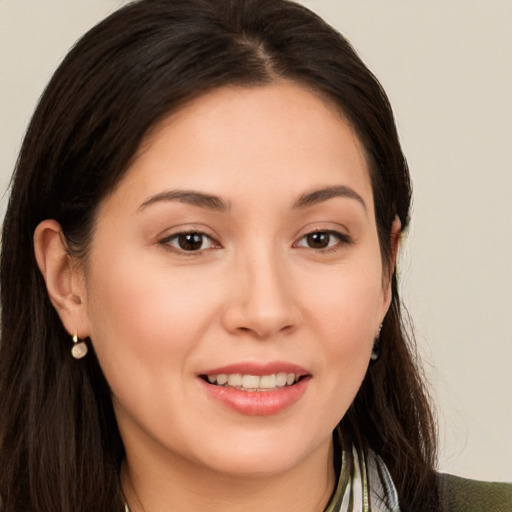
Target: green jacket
{"points": [[463, 495]]}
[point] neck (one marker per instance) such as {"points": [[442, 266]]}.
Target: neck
{"points": [[159, 486]]}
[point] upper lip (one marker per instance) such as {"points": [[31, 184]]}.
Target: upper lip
{"points": [[258, 368]]}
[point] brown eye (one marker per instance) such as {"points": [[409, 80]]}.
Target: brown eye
{"points": [[319, 240], [189, 242], [323, 240]]}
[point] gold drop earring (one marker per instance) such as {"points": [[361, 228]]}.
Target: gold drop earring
{"points": [[79, 348]]}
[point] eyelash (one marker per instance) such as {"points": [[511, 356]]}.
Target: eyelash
{"points": [[342, 239], [167, 242]]}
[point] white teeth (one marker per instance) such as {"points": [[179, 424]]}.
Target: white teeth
{"points": [[253, 382], [267, 382], [221, 379], [281, 379], [234, 380], [250, 382]]}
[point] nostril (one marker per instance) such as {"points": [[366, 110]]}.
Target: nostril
{"points": [[264, 332], [260, 320]]}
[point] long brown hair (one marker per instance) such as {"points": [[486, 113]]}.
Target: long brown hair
{"points": [[60, 449]]}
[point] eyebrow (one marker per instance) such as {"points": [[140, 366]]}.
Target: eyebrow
{"points": [[216, 203], [200, 199], [323, 194]]}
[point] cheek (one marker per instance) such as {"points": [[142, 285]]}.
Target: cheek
{"points": [[143, 319], [344, 313], [347, 302]]}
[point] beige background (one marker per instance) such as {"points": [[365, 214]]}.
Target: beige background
{"points": [[447, 67]]}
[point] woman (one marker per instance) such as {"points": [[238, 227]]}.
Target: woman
{"points": [[206, 214]]}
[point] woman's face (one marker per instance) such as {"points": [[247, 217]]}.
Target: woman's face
{"points": [[234, 285]]}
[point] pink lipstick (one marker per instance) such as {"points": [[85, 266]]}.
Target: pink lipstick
{"points": [[256, 389]]}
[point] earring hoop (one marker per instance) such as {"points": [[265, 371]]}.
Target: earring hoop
{"points": [[79, 348]]}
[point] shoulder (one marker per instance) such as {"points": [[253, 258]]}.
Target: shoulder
{"points": [[464, 495]]}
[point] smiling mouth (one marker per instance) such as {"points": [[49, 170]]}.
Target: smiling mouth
{"points": [[246, 382]]}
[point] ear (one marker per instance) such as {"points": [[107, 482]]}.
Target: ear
{"points": [[396, 231], [63, 277]]}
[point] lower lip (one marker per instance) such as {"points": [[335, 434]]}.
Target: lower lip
{"points": [[258, 403]]}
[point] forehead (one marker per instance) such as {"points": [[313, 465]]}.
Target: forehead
{"points": [[279, 136]]}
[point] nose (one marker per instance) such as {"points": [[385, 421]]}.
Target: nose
{"points": [[262, 303]]}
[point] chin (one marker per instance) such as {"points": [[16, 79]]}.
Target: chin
{"points": [[254, 465], [262, 455]]}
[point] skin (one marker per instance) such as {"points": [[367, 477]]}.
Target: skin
{"points": [[255, 291]]}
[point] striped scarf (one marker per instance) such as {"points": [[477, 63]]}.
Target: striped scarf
{"points": [[364, 483]]}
